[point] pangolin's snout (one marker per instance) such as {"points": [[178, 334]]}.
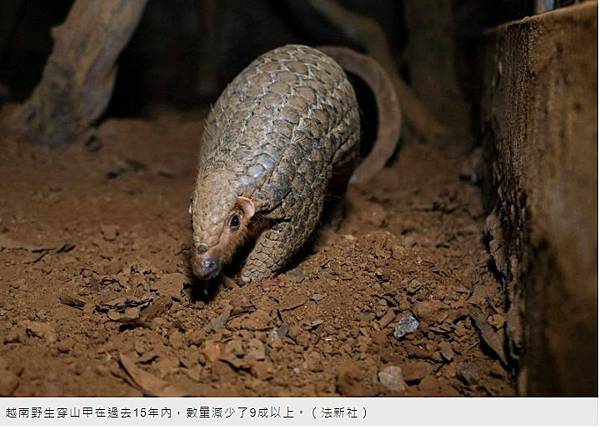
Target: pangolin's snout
{"points": [[205, 266]]}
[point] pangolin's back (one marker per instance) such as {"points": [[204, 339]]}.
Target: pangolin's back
{"points": [[276, 133]]}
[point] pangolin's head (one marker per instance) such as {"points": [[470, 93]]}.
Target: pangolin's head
{"points": [[220, 222]]}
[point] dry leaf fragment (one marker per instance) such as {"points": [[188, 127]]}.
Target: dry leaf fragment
{"points": [[293, 301], [149, 384], [69, 300], [488, 334], [219, 322]]}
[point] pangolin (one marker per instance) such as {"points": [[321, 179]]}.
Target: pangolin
{"points": [[276, 139]]}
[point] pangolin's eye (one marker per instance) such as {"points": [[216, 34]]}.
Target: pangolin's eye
{"points": [[202, 248], [234, 222]]}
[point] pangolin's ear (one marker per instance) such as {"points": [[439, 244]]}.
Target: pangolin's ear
{"points": [[247, 206]]}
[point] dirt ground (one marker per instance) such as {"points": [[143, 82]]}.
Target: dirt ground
{"points": [[97, 299]]}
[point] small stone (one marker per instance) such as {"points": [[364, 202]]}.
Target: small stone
{"points": [[313, 361], [497, 321], [235, 347], [176, 340], [148, 357], [303, 340], [229, 283], [416, 370], [428, 310], [195, 373], [167, 364], [446, 351], [262, 369], [139, 346], [392, 379], [171, 284], [373, 213], [294, 331], [311, 325], [398, 252], [295, 275], [102, 370], [282, 331], [408, 241], [480, 294], [110, 232], [197, 337], [63, 347], [292, 301], [429, 384], [212, 350], [127, 316], [14, 335], [349, 379], [317, 297], [8, 380], [414, 286], [275, 338], [41, 330], [447, 390], [471, 168], [256, 350], [387, 319], [437, 356], [382, 275], [407, 323], [468, 373], [449, 371], [258, 320], [69, 300], [219, 322], [497, 370]]}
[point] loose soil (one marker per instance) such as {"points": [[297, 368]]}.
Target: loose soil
{"points": [[97, 299]]}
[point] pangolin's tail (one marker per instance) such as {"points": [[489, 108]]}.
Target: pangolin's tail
{"points": [[388, 107]]}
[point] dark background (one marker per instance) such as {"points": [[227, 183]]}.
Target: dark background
{"points": [[185, 51]]}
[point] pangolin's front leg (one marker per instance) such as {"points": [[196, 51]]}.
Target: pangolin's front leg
{"points": [[276, 246], [273, 250]]}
